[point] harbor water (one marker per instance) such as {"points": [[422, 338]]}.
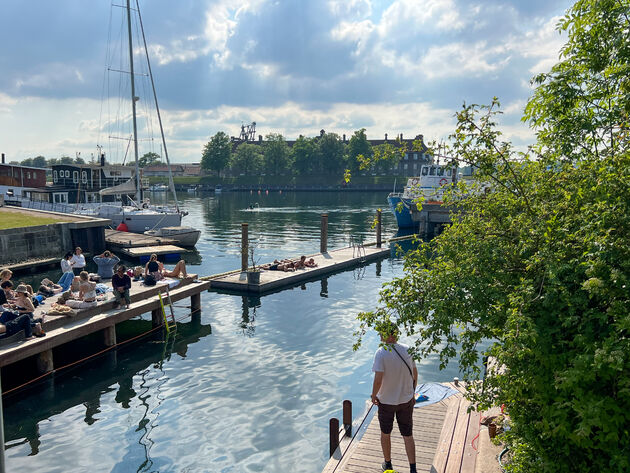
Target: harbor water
{"points": [[250, 386]]}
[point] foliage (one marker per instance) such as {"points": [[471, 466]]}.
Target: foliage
{"points": [[39, 162], [248, 159], [276, 154], [330, 154], [359, 149], [536, 264], [149, 159], [217, 153], [304, 152]]}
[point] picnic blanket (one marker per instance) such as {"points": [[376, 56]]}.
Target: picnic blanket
{"points": [[435, 392]]}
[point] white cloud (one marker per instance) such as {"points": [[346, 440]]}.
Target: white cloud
{"points": [[461, 59], [357, 9]]}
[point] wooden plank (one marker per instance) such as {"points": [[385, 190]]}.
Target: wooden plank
{"points": [[131, 240], [469, 457], [446, 436], [456, 452], [84, 327]]}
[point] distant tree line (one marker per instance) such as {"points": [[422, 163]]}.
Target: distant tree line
{"points": [[148, 159], [326, 154]]}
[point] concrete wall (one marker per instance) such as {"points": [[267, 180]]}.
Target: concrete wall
{"points": [[43, 241]]}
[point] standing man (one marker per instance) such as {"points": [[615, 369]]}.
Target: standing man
{"points": [[393, 390]]}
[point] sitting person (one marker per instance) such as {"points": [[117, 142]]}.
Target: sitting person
{"points": [[66, 268], [156, 269], [87, 293], [12, 323], [121, 283], [6, 294], [23, 302], [106, 263], [6, 274]]}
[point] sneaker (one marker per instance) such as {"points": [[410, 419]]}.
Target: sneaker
{"points": [[387, 466]]}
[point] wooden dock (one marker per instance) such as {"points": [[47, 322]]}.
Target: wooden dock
{"points": [[443, 433], [63, 329], [328, 262]]}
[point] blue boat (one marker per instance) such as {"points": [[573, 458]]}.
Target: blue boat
{"points": [[428, 188]]}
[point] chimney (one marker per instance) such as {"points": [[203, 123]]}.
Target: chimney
{"points": [[102, 159], [260, 138], [344, 137], [401, 138], [385, 136], [2, 158]]}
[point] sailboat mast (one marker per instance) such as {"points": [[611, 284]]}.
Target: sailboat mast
{"points": [[133, 106]]}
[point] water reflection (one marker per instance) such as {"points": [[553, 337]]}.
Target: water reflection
{"points": [[248, 314]]}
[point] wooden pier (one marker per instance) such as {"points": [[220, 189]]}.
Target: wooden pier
{"points": [[328, 262], [443, 433], [102, 318]]}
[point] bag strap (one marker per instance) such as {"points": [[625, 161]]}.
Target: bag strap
{"points": [[394, 348]]}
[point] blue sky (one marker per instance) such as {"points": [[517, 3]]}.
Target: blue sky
{"points": [[293, 66]]}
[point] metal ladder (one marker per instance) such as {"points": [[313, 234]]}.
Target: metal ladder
{"points": [[173, 324], [358, 249]]}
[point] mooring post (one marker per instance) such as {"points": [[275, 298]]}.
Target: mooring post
{"points": [[195, 302], [334, 435], [45, 361], [156, 317], [378, 228], [109, 336], [244, 246], [347, 417], [323, 247]]}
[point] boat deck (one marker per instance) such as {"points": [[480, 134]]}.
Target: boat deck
{"points": [[443, 432], [116, 240], [332, 261]]}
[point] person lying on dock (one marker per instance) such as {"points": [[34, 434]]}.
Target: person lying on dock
{"points": [[304, 263], [121, 283], [49, 288], [87, 293], [106, 262], [12, 323], [283, 265], [156, 269]]}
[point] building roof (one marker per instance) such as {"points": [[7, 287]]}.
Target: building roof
{"points": [[20, 166]]}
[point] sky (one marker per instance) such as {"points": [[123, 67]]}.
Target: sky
{"points": [[294, 67]]}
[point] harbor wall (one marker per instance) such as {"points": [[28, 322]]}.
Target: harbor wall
{"points": [[42, 241]]}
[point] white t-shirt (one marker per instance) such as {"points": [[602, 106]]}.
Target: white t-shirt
{"points": [[397, 387], [78, 260], [65, 266]]}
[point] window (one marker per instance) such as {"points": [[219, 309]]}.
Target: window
{"points": [[67, 173], [84, 177], [448, 172], [60, 197], [406, 155], [54, 176], [28, 175], [34, 175], [406, 165], [432, 171], [425, 171], [415, 156], [75, 177], [440, 171]]}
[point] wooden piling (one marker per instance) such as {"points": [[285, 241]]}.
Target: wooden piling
{"points": [[109, 336], [45, 361], [334, 435], [323, 247], [195, 302], [378, 228], [156, 317], [244, 246], [347, 417]]}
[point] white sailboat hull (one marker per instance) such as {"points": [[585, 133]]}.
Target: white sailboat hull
{"points": [[185, 236]]}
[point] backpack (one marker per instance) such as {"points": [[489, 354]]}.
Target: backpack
{"points": [[149, 280]]}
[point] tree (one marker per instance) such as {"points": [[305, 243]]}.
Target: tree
{"points": [[66, 160], [27, 162], [39, 162], [217, 153], [536, 267], [330, 154], [248, 159], [276, 154], [149, 159], [359, 150], [304, 152]]}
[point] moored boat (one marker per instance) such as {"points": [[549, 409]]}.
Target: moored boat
{"points": [[185, 236], [429, 187]]}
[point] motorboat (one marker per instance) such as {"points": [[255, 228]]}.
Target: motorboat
{"points": [[429, 187], [185, 236]]}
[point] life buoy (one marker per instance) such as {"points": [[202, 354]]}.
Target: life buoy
{"points": [[414, 182], [443, 181]]}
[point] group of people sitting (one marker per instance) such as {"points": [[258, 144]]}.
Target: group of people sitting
{"points": [[17, 306], [290, 265]]}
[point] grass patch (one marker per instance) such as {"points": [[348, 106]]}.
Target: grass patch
{"points": [[17, 220]]}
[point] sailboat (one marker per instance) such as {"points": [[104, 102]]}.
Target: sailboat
{"points": [[138, 214]]}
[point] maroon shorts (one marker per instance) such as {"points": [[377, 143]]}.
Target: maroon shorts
{"points": [[404, 417]]}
